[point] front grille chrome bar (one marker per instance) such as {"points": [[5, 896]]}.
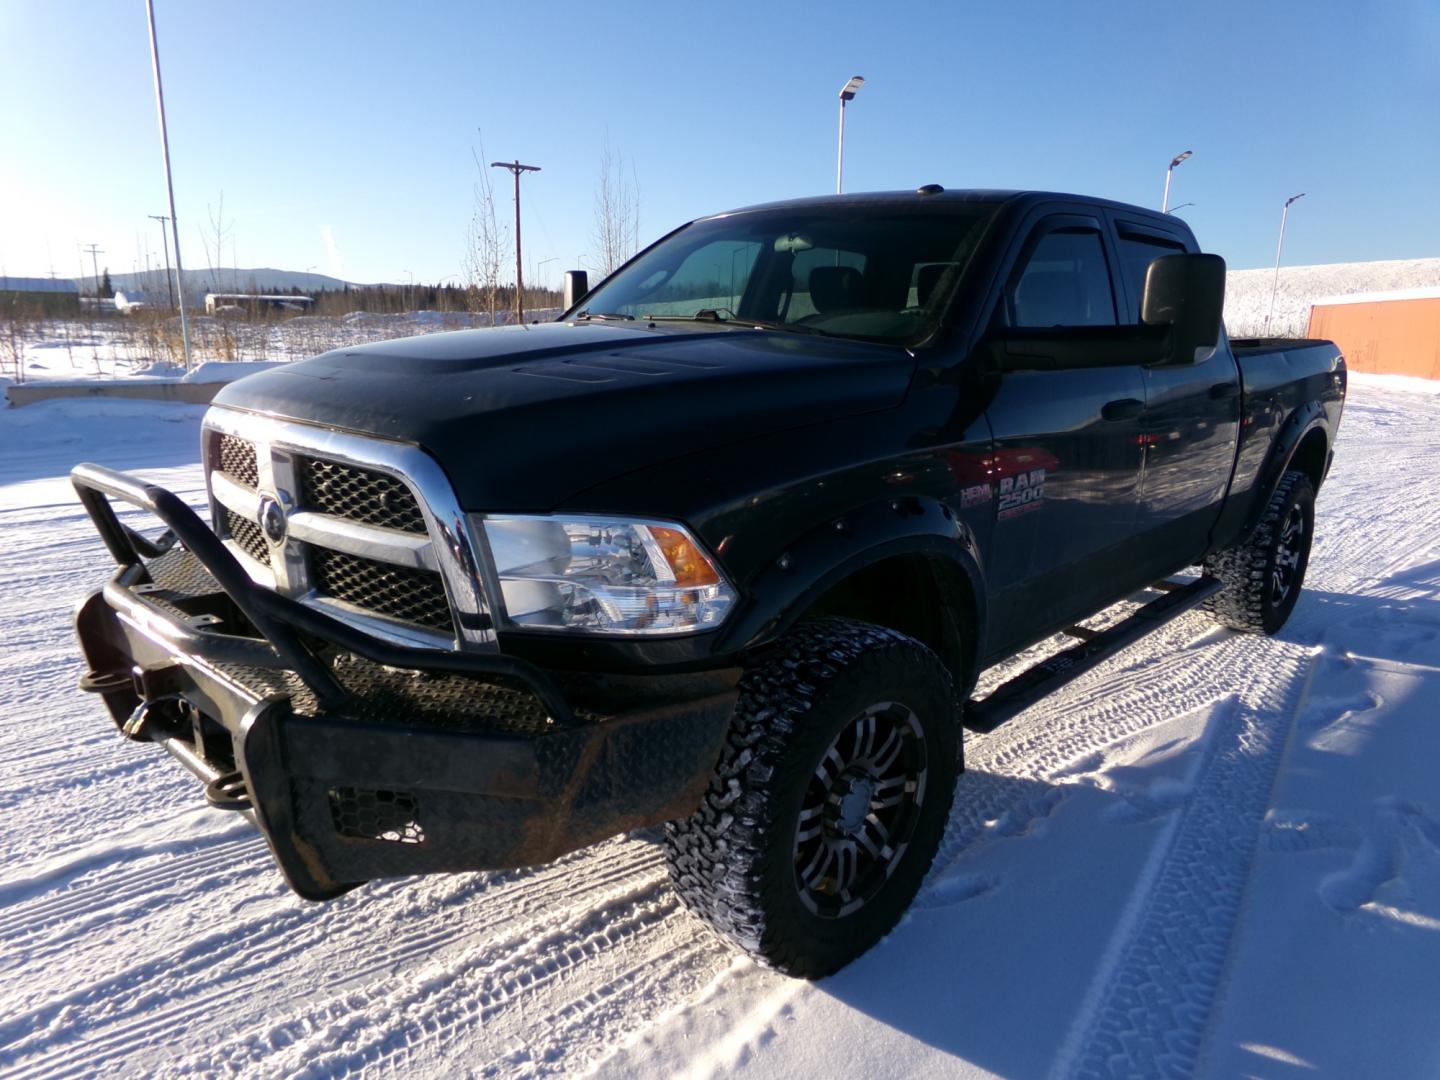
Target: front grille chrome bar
{"points": [[367, 541], [446, 548]]}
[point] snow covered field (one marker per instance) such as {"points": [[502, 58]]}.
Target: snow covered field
{"points": [[65, 350], [1247, 292], [1216, 854]]}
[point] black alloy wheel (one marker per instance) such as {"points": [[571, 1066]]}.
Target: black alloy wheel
{"points": [[829, 799], [860, 810]]}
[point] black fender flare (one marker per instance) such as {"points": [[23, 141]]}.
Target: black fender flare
{"points": [[791, 582], [1297, 426]]}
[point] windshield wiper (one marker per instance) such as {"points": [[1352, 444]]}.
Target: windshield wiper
{"points": [[703, 315], [797, 328], [605, 316], [711, 315]]}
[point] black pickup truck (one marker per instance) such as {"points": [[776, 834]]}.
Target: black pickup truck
{"points": [[724, 547]]}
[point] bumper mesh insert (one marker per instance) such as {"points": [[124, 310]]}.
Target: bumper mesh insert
{"points": [[376, 815]]}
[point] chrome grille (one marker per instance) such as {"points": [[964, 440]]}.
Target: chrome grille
{"points": [[357, 542], [415, 596], [345, 491], [247, 534], [237, 458]]}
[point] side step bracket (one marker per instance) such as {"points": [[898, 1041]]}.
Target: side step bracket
{"points": [[1018, 694]]}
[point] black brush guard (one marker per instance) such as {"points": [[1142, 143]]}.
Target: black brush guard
{"points": [[360, 759]]}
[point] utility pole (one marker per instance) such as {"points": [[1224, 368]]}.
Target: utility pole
{"points": [[169, 182], [169, 285], [1275, 284], [95, 265], [516, 169]]}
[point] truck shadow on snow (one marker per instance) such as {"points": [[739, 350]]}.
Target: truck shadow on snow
{"points": [[1016, 934], [997, 955]]}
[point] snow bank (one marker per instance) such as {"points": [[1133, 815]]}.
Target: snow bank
{"points": [[227, 371], [1411, 383]]}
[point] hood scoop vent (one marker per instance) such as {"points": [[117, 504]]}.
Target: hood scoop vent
{"points": [[610, 367]]}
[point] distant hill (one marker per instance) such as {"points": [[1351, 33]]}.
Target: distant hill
{"points": [[1247, 292], [224, 279]]}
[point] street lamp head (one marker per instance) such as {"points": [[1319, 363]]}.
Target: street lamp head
{"points": [[1180, 157], [851, 88], [1294, 198]]}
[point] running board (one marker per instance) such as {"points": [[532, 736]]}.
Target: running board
{"points": [[1095, 647]]}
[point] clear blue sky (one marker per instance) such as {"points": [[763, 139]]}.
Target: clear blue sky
{"points": [[359, 118]]}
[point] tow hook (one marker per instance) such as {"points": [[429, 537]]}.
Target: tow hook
{"points": [[105, 682], [228, 792]]}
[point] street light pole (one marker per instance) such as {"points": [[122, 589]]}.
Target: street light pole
{"points": [[540, 266], [1275, 284], [1165, 203], [847, 93], [169, 182], [516, 169]]}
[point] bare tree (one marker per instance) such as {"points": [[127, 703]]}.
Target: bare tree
{"points": [[220, 232], [617, 211], [485, 243], [14, 329]]}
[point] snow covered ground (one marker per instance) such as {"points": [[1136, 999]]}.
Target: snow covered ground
{"points": [[1215, 854]]}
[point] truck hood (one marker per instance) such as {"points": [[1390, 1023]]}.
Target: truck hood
{"points": [[523, 417]]}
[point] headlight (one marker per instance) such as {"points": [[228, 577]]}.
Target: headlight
{"points": [[605, 575]]}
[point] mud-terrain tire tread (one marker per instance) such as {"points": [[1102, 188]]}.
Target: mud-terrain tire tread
{"points": [[716, 857], [1245, 568]]}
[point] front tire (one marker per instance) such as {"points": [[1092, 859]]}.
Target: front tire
{"points": [[829, 800], [1264, 575]]}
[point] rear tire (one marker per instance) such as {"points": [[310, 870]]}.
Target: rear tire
{"points": [[830, 798], [1264, 575]]}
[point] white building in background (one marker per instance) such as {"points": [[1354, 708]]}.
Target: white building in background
{"points": [[255, 302], [131, 300]]}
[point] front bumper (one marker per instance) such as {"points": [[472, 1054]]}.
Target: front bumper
{"points": [[358, 758]]}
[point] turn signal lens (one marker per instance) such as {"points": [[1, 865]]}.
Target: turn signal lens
{"points": [[690, 566]]}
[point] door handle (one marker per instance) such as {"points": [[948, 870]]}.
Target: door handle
{"points": [[1124, 409], [1224, 391]]}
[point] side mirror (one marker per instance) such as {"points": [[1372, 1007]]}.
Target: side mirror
{"points": [[1187, 294], [577, 284]]}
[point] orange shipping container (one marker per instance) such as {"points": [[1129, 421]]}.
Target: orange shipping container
{"points": [[1398, 336]]}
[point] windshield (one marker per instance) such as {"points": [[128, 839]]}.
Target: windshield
{"points": [[875, 272]]}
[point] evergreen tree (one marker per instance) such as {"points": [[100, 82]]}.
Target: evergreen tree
{"points": [[106, 289]]}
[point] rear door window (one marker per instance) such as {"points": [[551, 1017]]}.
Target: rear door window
{"points": [[1137, 252]]}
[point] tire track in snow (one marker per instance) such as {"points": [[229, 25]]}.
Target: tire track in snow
{"points": [[1151, 1008], [203, 992], [393, 1019]]}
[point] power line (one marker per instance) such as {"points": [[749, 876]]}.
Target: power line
{"points": [[95, 265], [169, 285]]}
